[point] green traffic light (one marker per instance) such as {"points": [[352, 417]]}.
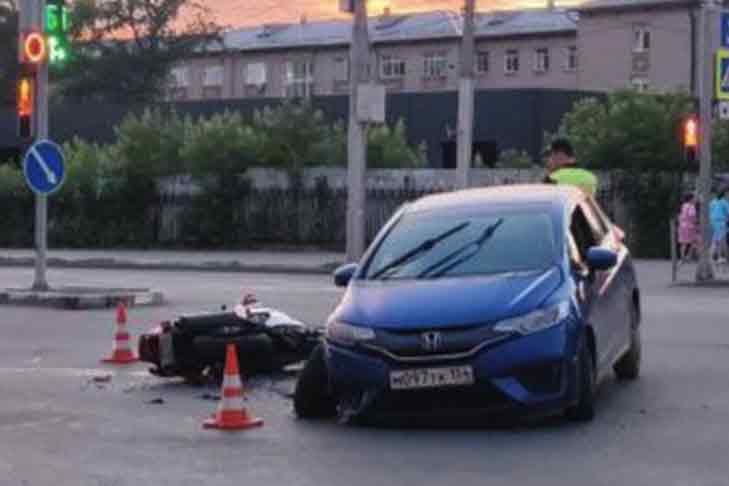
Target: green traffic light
{"points": [[57, 28]]}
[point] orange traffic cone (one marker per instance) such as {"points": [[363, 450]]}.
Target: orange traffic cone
{"points": [[121, 351], [232, 415]]}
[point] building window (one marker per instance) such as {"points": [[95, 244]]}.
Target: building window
{"points": [[212, 76], [434, 66], [482, 62], [640, 84], [392, 67], [180, 77], [511, 62], [254, 74], [570, 63], [541, 60], [341, 69], [642, 39], [299, 81]]}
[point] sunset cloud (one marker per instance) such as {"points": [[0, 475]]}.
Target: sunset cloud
{"points": [[252, 12]]}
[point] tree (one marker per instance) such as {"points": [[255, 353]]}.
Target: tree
{"points": [[8, 50], [629, 130], [124, 49]]}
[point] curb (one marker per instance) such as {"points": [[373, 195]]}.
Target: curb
{"points": [[87, 300], [223, 267]]}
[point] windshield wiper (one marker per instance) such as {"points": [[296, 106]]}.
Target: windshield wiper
{"points": [[425, 246], [477, 244]]}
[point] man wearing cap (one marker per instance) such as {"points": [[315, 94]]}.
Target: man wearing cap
{"points": [[562, 168]]}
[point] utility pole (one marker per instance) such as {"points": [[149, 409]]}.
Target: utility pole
{"points": [[707, 46], [31, 18], [466, 98], [357, 142]]}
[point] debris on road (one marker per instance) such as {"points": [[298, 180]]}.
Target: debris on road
{"points": [[156, 401]]}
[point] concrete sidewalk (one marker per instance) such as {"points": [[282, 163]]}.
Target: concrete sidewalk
{"points": [[306, 262]]}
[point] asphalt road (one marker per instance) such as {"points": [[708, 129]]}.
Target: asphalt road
{"points": [[58, 427]]}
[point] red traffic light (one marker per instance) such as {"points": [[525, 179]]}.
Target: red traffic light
{"points": [[34, 48], [691, 133]]}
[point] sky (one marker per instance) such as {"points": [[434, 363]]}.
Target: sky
{"points": [[237, 13]]}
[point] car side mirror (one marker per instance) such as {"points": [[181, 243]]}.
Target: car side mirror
{"points": [[344, 274], [601, 258]]}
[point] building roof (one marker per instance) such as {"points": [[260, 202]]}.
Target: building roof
{"points": [[398, 28], [599, 5]]}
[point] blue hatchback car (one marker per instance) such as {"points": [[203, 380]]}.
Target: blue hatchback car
{"points": [[486, 301]]}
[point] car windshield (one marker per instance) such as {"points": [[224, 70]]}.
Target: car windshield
{"points": [[428, 245]]}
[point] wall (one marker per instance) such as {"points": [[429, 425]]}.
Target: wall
{"points": [[605, 40], [508, 118]]}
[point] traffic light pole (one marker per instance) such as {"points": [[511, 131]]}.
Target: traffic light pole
{"points": [[708, 40], [32, 18]]}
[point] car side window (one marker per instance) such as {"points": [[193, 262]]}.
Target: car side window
{"points": [[581, 232], [602, 219], [593, 221]]}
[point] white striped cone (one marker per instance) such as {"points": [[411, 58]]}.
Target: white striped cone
{"points": [[121, 349], [232, 414]]}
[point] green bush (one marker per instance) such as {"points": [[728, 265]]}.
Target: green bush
{"points": [[513, 159], [388, 148]]}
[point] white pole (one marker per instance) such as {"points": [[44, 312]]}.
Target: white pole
{"points": [[466, 98], [357, 141], [31, 18]]}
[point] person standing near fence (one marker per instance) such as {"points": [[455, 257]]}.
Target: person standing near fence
{"points": [[563, 169], [688, 229], [718, 216]]}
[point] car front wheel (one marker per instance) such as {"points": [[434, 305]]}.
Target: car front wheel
{"points": [[312, 398]]}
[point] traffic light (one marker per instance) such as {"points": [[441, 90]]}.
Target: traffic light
{"points": [[26, 105], [691, 138], [58, 26], [33, 49]]}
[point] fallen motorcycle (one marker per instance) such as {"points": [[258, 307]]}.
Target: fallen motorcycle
{"points": [[193, 346]]}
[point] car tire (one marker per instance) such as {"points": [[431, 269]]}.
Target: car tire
{"points": [[312, 398], [584, 410], [628, 367]]}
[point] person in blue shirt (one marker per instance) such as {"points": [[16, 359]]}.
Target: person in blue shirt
{"points": [[718, 217]]}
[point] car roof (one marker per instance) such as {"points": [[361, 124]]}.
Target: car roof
{"points": [[548, 195]]}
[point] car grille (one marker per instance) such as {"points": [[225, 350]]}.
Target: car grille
{"points": [[451, 341], [483, 397]]}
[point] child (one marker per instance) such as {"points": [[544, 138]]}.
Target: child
{"points": [[688, 229]]}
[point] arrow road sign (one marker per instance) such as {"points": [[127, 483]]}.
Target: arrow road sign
{"points": [[725, 29], [44, 167]]}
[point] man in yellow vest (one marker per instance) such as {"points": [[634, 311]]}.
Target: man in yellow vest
{"points": [[562, 168]]}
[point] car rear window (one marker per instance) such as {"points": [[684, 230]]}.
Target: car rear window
{"points": [[430, 245]]}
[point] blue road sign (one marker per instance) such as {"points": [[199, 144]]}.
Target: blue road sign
{"points": [[725, 29], [44, 168]]}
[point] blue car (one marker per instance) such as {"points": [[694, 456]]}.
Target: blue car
{"points": [[517, 299]]}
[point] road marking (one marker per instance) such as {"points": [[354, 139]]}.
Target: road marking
{"points": [[50, 175]]}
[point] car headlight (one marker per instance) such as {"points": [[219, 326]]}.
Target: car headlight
{"points": [[538, 320], [347, 334]]}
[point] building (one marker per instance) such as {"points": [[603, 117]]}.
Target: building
{"points": [[601, 46], [530, 65]]}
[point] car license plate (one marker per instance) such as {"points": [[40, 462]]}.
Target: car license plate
{"points": [[431, 377]]}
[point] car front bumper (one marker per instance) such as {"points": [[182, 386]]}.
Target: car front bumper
{"points": [[521, 375]]}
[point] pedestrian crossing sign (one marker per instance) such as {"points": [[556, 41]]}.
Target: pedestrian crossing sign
{"points": [[722, 74]]}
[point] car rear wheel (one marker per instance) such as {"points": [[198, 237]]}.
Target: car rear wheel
{"points": [[628, 367], [312, 398], [584, 410]]}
